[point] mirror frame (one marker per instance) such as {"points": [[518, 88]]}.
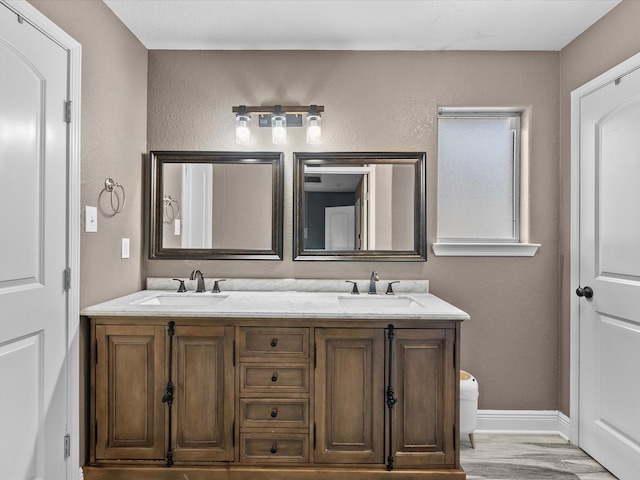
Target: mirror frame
{"points": [[418, 159], [157, 159]]}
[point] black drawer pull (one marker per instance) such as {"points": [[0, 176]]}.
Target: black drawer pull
{"points": [[274, 413], [274, 342], [274, 449], [274, 377]]}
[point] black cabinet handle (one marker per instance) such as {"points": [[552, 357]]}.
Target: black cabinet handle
{"points": [[274, 449], [586, 292], [274, 413], [274, 342], [274, 377]]}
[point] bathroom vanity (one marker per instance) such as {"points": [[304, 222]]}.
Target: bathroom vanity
{"points": [[274, 384]]}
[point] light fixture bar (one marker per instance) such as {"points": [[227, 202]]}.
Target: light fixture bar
{"points": [[268, 110]]}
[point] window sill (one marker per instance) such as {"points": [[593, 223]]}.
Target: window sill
{"points": [[485, 249]]}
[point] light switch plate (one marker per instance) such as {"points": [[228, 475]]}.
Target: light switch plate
{"points": [[90, 219], [125, 248]]}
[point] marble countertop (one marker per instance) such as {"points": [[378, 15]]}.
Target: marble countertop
{"points": [[418, 305]]}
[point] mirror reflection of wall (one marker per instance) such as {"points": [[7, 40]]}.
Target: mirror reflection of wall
{"points": [[172, 188], [222, 206]]}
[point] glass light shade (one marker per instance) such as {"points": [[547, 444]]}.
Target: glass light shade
{"points": [[243, 132], [314, 132], [279, 129]]}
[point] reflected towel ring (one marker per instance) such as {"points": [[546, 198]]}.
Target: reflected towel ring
{"points": [[171, 212], [110, 186]]}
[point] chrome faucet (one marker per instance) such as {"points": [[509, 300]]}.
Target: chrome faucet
{"points": [[372, 283], [197, 275]]}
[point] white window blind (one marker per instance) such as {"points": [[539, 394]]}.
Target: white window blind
{"points": [[478, 177]]}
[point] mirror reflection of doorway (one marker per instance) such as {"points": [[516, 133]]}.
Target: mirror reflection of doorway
{"points": [[337, 208]]}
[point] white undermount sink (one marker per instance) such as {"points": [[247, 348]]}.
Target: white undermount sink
{"points": [[376, 301], [185, 300]]}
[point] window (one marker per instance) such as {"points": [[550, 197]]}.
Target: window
{"points": [[479, 184]]}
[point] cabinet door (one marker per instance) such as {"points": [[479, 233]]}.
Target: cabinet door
{"points": [[129, 384], [349, 395], [203, 406], [423, 380]]}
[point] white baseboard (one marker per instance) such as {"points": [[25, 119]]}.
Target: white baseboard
{"points": [[524, 422]]}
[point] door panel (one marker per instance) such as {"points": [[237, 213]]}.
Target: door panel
{"points": [[350, 395], [21, 97], [203, 405], [339, 228], [423, 364], [21, 364], [33, 246], [129, 390], [619, 171], [609, 420]]}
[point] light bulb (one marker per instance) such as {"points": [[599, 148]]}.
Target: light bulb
{"points": [[314, 132], [279, 129], [243, 132]]}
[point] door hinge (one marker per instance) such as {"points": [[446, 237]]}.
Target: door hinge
{"points": [[67, 278], [67, 446], [315, 435], [67, 111], [315, 355], [233, 353]]}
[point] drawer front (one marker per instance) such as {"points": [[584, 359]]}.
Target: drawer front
{"points": [[274, 378], [274, 448], [274, 341], [274, 413]]}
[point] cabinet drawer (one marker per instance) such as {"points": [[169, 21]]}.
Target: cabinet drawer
{"points": [[274, 448], [274, 341], [274, 413], [274, 378]]}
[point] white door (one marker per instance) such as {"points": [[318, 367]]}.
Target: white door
{"points": [[339, 228], [33, 246], [609, 396]]}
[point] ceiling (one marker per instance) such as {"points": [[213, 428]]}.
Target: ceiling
{"points": [[358, 24]]}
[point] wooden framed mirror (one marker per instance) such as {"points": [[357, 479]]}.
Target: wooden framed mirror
{"points": [[360, 206], [216, 205]]}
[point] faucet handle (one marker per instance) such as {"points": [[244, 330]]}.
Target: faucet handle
{"points": [[390, 289], [354, 291], [181, 288], [216, 287]]}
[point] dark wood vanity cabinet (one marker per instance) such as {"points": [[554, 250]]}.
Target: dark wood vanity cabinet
{"points": [[301, 398], [163, 393]]}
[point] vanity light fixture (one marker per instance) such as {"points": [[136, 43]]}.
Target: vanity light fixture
{"points": [[279, 118]]}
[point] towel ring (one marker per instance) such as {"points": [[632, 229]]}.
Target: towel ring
{"points": [[171, 212], [110, 186]]}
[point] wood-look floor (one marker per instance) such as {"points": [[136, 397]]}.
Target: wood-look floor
{"points": [[527, 457]]}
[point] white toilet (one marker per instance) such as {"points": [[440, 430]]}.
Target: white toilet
{"points": [[468, 405]]}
